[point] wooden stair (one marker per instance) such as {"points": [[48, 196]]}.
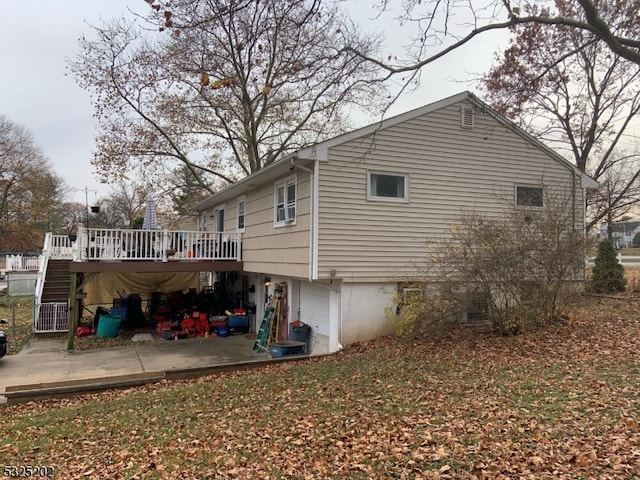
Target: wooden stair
{"points": [[57, 282], [53, 312]]}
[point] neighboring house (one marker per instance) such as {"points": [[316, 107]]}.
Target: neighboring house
{"points": [[622, 233], [344, 221]]}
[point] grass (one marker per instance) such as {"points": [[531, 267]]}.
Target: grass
{"points": [[562, 403]]}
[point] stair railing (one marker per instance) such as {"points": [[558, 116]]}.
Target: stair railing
{"points": [[42, 273]]}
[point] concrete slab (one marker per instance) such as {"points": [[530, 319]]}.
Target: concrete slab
{"points": [[45, 361]]}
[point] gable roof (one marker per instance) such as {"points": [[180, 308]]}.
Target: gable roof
{"points": [[625, 227], [320, 151]]}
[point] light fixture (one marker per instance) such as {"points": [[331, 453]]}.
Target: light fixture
{"points": [[267, 281]]}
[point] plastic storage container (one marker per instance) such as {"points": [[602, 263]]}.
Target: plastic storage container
{"points": [[239, 323], [222, 330], [299, 332], [118, 312], [219, 326], [108, 325], [283, 349]]}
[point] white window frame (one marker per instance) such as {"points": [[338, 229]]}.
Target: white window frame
{"points": [[241, 201], [536, 187], [202, 224], [216, 217], [288, 206], [371, 196]]}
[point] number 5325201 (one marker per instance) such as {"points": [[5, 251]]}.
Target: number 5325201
{"points": [[28, 471]]}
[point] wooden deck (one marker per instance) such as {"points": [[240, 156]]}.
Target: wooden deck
{"points": [[96, 251], [105, 266], [124, 250]]}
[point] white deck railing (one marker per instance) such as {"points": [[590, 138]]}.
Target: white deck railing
{"points": [[164, 245]]}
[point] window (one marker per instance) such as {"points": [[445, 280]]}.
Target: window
{"points": [[241, 205], [203, 222], [529, 196], [285, 202], [386, 186], [218, 219], [415, 294]]}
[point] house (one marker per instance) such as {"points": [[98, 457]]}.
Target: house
{"points": [[622, 233], [338, 224]]}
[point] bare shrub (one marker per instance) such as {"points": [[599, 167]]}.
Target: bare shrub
{"points": [[515, 271], [632, 277]]}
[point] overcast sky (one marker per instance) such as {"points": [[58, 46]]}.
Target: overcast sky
{"points": [[37, 37]]}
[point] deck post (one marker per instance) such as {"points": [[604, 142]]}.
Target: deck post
{"points": [[73, 306]]}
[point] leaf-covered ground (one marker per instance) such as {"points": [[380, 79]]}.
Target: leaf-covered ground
{"points": [[562, 404], [18, 312]]}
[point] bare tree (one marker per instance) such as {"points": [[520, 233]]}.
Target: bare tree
{"points": [[221, 88], [29, 190], [575, 95], [443, 27], [72, 214], [125, 206], [618, 197]]}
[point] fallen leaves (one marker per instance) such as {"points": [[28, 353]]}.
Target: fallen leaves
{"points": [[562, 403]]}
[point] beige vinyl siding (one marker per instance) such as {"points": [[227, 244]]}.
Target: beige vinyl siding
{"points": [[275, 250], [451, 170]]}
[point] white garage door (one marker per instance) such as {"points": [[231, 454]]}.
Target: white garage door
{"points": [[314, 307]]}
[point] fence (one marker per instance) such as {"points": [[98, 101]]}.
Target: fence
{"points": [[51, 317], [19, 263], [625, 260]]}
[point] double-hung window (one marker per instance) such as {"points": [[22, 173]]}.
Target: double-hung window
{"points": [[285, 202], [241, 207], [218, 219], [388, 186]]}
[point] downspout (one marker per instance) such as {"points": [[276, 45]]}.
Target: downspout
{"points": [[313, 241], [313, 236], [573, 200]]}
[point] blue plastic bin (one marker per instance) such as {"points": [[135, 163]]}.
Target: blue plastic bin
{"points": [[284, 349], [222, 330], [239, 323]]}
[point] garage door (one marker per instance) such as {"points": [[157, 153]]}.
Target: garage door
{"points": [[314, 307]]}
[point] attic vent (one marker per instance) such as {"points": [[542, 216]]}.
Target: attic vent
{"points": [[466, 117]]}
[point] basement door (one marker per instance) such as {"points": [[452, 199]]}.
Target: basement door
{"points": [[314, 308]]}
